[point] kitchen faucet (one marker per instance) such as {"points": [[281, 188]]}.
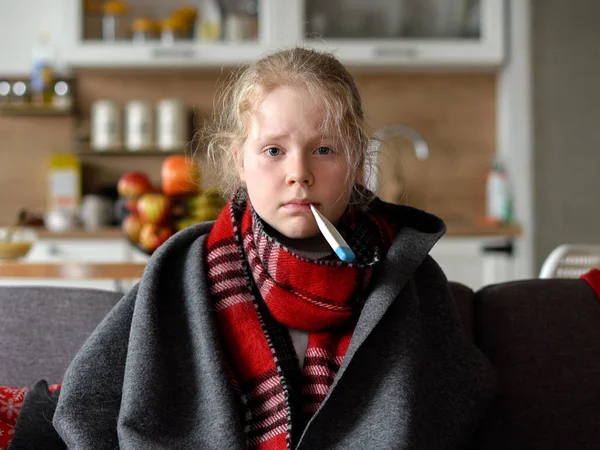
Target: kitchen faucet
{"points": [[390, 131]]}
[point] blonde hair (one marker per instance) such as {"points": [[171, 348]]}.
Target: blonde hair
{"points": [[321, 75]]}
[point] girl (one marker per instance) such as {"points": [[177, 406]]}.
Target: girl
{"points": [[251, 333]]}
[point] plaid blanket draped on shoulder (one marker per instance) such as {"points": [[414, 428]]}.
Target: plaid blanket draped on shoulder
{"points": [[259, 287]]}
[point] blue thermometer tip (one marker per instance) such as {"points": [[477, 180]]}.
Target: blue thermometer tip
{"points": [[345, 254]]}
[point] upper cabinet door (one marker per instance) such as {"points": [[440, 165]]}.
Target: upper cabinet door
{"points": [[155, 33], [395, 33], [407, 32]]}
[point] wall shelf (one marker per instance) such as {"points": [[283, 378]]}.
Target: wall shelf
{"points": [[88, 151], [34, 111]]}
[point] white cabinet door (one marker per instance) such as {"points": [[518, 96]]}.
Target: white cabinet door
{"points": [[21, 23], [398, 33], [475, 262], [183, 53]]}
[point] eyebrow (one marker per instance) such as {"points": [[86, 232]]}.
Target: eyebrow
{"points": [[276, 137]]}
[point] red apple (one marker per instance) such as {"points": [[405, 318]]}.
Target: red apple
{"points": [[134, 184], [154, 208], [153, 236], [132, 226], [131, 205]]}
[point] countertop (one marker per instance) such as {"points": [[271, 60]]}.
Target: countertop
{"points": [[455, 229]]}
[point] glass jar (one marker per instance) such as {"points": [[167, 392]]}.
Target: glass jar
{"points": [[187, 15], [20, 93], [92, 22], [4, 92], [63, 95], [116, 21], [173, 29], [144, 30]]}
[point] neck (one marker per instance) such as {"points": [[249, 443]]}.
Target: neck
{"points": [[316, 244]]}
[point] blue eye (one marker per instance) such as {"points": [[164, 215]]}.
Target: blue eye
{"points": [[323, 150], [273, 151]]}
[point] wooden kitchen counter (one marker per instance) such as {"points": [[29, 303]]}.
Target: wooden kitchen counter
{"points": [[479, 230], [109, 233], [75, 270]]}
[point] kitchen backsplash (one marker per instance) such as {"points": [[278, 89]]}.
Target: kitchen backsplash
{"points": [[454, 112]]}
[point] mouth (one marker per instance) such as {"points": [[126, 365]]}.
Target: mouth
{"points": [[300, 204]]}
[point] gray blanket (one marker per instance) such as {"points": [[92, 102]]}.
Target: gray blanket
{"points": [[152, 375]]}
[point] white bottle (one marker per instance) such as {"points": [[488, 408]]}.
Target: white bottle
{"points": [[498, 202], [209, 27], [42, 70]]}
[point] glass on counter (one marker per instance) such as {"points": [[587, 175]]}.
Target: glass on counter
{"points": [[174, 29], [145, 30], [241, 20], [92, 21], [116, 22]]}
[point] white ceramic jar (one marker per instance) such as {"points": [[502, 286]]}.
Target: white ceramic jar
{"points": [[139, 125], [172, 127], [106, 125]]}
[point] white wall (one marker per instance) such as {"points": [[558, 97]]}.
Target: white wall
{"points": [[566, 96], [21, 22]]}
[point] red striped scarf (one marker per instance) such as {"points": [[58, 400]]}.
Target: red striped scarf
{"points": [[257, 285]]}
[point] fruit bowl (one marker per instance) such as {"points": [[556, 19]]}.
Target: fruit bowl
{"points": [[155, 217], [152, 213], [16, 242]]}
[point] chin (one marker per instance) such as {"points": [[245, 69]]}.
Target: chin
{"points": [[299, 231]]}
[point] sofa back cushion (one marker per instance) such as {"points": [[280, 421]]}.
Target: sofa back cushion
{"points": [[463, 297], [42, 328], [543, 338]]}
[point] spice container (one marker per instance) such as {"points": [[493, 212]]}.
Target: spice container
{"points": [[187, 15], [106, 125], [92, 19], [115, 21], [4, 92], [172, 126], [139, 125], [20, 93], [144, 30], [173, 29], [63, 96]]}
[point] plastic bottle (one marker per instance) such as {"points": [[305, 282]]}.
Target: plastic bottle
{"points": [[210, 22], [498, 194], [42, 71]]}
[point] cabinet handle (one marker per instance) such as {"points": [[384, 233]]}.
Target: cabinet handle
{"points": [[396, 52], [53, 250], [507, 248], [160, 53]]}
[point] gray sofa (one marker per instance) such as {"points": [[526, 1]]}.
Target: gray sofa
{"points": [[542, 336]]}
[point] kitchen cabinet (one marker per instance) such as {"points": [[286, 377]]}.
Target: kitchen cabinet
{"points": [[376, 33], [476, 261]]}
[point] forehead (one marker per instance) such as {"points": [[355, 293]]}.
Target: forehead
{"points": [[285, 108]]}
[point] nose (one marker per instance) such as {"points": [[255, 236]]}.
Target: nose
{"points": [[299, 171]]}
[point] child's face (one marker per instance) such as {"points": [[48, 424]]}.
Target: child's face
{"points": [[287, 163]]}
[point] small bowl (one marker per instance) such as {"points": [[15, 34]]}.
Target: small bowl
{"points": [[19, 244]]}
